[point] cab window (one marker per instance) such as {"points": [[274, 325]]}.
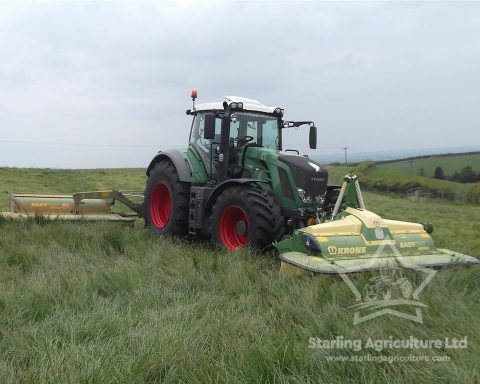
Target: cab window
{"points": [[201, 144]]}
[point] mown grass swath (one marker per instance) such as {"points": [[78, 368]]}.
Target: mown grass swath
{"points": [[95, 303]]}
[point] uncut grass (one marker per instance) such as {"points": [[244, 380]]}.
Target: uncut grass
{"points": [[456, 225], [99, 303], [123, 306]]}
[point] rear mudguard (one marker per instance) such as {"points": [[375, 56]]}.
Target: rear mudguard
{"points": [[187, 163]]}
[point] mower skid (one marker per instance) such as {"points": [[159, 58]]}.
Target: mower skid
{"points": [[111, 218], [320, 265]]}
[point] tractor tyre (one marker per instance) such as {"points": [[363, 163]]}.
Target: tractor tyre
{"points": [[245, 216], [166, 201]]}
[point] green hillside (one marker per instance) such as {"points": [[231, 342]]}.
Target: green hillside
{"points": [[450, 164], [337, 172], [85, 303], [386, 177], [382, 176]]}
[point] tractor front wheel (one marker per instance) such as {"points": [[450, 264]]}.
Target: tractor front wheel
{"points": [[245, 216], [166, 201]]}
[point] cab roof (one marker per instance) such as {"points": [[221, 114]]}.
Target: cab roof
{"points": [[248, 104]]}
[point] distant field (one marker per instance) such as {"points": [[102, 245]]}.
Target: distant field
{"points": [[389, 175], [382, 175], [449, 164], [397, 176], [84, 303]]}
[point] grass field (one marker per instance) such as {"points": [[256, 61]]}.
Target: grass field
{"points": [[107, 304], [449, 164], [337, 172], [389, 176], [397, 176], [382, 177]]}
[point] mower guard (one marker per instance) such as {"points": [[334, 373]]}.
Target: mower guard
{"points": [[362, 241], [80, 206]]}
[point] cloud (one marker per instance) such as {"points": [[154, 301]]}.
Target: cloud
{"points": [[372, 75]]}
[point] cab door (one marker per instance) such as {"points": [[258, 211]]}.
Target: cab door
{"points": [[205, 148]]}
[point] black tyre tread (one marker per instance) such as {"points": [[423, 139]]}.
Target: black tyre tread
{"points": [[266, 224], [166, 171]]}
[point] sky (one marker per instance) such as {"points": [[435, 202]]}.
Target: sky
{"points": [[106, 84]]}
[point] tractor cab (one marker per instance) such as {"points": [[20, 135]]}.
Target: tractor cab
{"points": [[245, 129], [221, 133]]}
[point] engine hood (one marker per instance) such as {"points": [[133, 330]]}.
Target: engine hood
{"points": [[309, 175]]}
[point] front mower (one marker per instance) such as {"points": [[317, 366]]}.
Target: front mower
{"points": [[353, 239]]}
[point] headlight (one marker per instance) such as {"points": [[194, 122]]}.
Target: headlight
{"points": [[320, 199], [303, 196], [301, 193], [311, 243], [234, 105]]}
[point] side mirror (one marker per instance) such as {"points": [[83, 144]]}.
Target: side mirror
{"points": [[312, 137], [209, 127]]}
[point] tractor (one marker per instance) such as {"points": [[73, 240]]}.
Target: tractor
{"points": [[234, 183]]}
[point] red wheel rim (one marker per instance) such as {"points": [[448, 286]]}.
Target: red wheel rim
{"points": [[229, 221], [160, 205]]}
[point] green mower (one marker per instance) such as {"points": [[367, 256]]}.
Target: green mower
{"points": [[352, 239]]}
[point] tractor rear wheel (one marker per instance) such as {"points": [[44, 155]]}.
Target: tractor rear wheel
{"points": [[166, 201], [245, 216]]}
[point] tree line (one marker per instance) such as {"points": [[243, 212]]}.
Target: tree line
{"points": [[466, 175]]}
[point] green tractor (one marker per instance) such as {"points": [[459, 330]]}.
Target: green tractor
{"points": [[233, 183], [236, 185]]}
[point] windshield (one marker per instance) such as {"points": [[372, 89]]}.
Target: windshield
{"points": [[246, 129], [254, 128]]}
